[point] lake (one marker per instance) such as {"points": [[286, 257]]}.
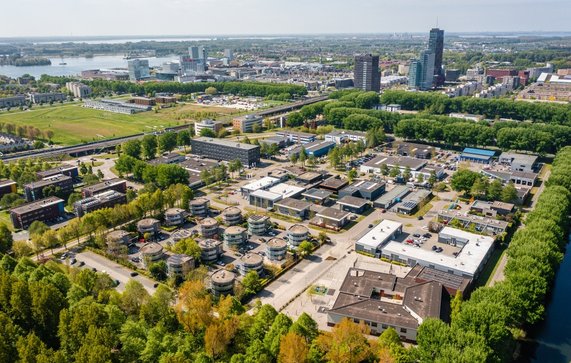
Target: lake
{"points": [[75, 65]]}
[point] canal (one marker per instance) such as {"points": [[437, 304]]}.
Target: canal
{"points": [[550, 342]]}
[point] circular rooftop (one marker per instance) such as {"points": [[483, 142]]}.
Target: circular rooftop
{"points": [[147, 222], [298, 229], [231, 211], [223, 277], [234, 230], [151, 248], [208, 243], [181, 234], [252, 259], [209, 222], [117, 235], [174, 211], [198, 201], [257, 218], [277, 243]]}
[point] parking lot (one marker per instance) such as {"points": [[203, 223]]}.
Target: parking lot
{"points": [[117, 272]]}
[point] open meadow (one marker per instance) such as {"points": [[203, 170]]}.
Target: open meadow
{"points": [[73, 124]]}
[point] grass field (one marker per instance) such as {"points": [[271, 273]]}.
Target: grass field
{"points": [[73, 124]]}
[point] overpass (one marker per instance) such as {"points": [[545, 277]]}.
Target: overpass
{"points": [[108, 144]]}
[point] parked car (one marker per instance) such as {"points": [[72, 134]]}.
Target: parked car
{"points": [[81, 263], [134, 273]]}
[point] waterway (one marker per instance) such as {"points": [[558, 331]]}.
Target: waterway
{"points": [[550, 341], [74, 65]]}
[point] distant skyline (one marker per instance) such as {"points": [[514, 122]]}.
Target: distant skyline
{"points": [[28, 18]]}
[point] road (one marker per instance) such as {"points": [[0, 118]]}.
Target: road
{"points": [[114, 270]]}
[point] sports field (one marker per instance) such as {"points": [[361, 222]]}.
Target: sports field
{"points": [[73, 124]]}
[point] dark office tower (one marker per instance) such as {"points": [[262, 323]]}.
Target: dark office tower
{"points": [[366, 73], [436, 45]]}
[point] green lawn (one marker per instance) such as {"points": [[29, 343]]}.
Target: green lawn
{"points": [[73, 124]]}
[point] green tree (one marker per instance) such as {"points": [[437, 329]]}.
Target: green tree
{"points": [[306, 327], [463, 180], [37, 228], [407, 174], [251, 282], [385, 169], [305, 248], [294, 157], [132, 148], [211, 91], [279, 328], [352, 175], [188, 246], [302, 156], [509, 193], [167, 142], [6, 239], [494, 191], [395, 171], [149, 146], [205, 132]]}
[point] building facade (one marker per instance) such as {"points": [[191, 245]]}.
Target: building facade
{"points": [[366, 73]]}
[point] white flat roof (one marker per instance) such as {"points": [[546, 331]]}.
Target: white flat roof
{"points": [[468, 260], [265, 182], [264, 194], [379, 234], [286, 190]]}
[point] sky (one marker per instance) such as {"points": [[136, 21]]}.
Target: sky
{"points": [[23, 18]]}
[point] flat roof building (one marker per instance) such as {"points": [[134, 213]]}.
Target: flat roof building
{"points": [[317, 196], [353, 204], [317, 148], [481, 156], [45, 210], [402, 162], [297, 137], [35, 190], [276, 249], [222, 282], [260, 184], [471, 252], [395, 195], [220, 149], [414, 201], [116, 184], [366, 74], [106, 199], [258, 224], [7, 187], [293, 208], [251, 262], [69, 170], [208, 227], [297, 234], [211, 250], [334, 184], [483, 225], [247, 123], [331, 218], [180, 265], [214, 126], [175, 216], [519, 162], [199, 207], [518, 178], [344, 136], [372, 242], [368, 190]]}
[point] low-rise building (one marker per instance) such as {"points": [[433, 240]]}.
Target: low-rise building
{"points": [[232, 216], [79, 90], [39, 98], [106, 199], [168, 158], [297, 137], [151, 252], [292, 208], [260, 184], [264, 199], [148, 225], [317, 148], [483, 225], [334, 184], [46, 210], [518, 178], [375, 166], [251, 262], [373, 242], [369, 190], [247, 123], [118, 236], [480, 156], [297, 234], [181, 234], [222, 282], [14, 101], [466, 253], [7, 187], [258, 225], [385, 301], [276, 249], [353, 204], [310, 177], [414, 201], [175, 216], [208, 227], [179, 265], [117, 184], [220, 149], [235, 237], [199, 207], [343, 136], [519, 162], [317, 196], [68, 170], [492, 209], [214, 126], [395, 195], [418, 151], [211, 250], [331, 218], [35, 190]]}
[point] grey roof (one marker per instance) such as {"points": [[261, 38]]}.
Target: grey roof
{"points": [[48, 181], [36, 205], [293, 204], [317, 193], [400, 161], [334, 183], [333, 213], [104, 185], [352, 201], [363, 186]]}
